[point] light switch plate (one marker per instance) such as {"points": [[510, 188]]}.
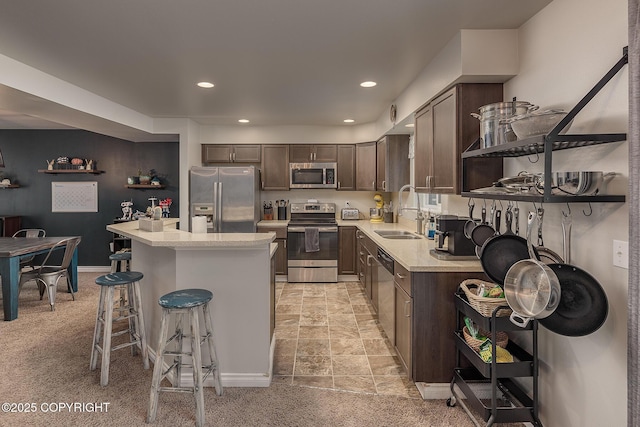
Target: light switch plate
{"points": [[621, 254]]}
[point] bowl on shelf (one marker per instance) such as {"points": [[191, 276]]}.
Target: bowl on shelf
{"points": [[537, 123]]}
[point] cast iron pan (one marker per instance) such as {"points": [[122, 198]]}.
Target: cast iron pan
{"points": [[500, 252], [471, 223], [583, 304], [483, 231]]}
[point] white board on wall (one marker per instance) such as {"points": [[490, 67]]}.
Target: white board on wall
{"points": [[74, 196]]}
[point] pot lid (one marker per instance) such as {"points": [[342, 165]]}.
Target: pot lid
{"points": [[583, 306]]}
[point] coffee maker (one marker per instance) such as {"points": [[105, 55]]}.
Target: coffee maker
{"points": [[451, 228]]}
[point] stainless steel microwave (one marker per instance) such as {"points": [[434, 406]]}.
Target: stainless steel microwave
{"points": [[312, 175]]}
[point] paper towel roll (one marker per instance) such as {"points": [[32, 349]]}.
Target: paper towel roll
{"points": [[199, 224]]}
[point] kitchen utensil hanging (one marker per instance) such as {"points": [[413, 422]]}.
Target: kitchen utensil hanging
{"points": [[531, 288], [583, 305], [500, 252]]}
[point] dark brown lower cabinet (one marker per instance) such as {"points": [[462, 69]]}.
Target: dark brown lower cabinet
{"points": [[433, 323], [280, 257], [347, 261]]}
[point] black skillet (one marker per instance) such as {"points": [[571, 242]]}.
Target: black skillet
{"points": [[583, 306], [500, 252], [471, 223], [483, 231]]}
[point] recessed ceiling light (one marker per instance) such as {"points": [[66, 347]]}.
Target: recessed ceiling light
{"points": [[205, 85], [368, 84], [409, 125], [348, 120], [243, 121]]}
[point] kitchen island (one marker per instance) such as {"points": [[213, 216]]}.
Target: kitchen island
{"points": [[236, 268]]}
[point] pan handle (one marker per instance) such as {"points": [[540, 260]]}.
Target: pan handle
{"points": [[530, 220], [519, 320], [566, 237]]}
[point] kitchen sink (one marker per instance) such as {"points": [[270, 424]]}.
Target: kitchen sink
{"points": [[397, 234]]}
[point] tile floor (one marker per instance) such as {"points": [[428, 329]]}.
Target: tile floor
{"points": [[328, 336]]}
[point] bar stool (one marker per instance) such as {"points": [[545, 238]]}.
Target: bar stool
{"points": [[129, 308], [181, 303], [120, 261]]}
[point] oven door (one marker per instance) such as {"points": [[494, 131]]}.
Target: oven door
{"points": [[316, 266]]}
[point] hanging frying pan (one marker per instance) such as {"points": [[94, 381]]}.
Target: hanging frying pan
{"points": [[483, 231], [500, 252], [583, 306], [471, 223]]}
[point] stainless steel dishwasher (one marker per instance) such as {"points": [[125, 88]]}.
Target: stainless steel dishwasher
{"points": [[386, 293]]}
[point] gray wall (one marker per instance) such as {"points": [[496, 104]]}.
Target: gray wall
{"points": [[26, 151]]}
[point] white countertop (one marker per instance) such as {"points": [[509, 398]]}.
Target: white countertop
{"points": [[411, 254], [173, 238]]}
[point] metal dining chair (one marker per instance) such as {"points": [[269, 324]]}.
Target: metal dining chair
{"points": [[29, 232], [47, 276]]}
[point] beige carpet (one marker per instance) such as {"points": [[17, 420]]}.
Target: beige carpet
{"points": [[44, 361]]}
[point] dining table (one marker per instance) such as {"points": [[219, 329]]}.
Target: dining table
{"points": [[12, 249]]}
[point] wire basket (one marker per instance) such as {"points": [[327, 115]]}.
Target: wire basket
{"points": [[502, 339], [483, 305]]}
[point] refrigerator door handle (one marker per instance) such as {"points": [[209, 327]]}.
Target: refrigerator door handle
{"points": [[215, 208], [219, 210]]}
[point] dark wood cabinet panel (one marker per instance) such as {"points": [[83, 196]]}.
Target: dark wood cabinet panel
{"points": [[305, 153], [346, 167], [275, 167], [280, 257], [9, 225], [347, 261], [227, 153], [392, 162], [403, 321], [444, 129], [433, 347], [366, 166]]}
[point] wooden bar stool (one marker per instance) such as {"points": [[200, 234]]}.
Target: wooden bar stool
{"points": [[181, 303], [120, 261], [129, 308]]}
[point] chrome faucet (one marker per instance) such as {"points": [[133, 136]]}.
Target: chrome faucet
{"points": [[419, 214]]}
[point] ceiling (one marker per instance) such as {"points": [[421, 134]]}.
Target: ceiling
{"points": [[274, 62]]}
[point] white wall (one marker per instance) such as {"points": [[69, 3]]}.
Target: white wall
{"points": [[564, 50]]}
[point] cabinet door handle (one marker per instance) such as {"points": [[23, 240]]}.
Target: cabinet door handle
{"points": [[373, 184], [338, 185], [404, 309], [401, 276], [285, 243], [263, 185], [234, 157], [384, 185], [368, 258]]}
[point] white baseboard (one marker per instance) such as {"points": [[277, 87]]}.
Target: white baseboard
{"points": [[94, 269], [227, 379]]}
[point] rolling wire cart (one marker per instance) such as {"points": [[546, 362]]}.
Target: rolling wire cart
{"points": [[509, 402]]}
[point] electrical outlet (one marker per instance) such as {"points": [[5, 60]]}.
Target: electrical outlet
{"points": [[621, 254]]}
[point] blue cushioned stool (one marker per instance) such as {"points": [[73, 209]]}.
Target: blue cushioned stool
{"points": [[129, 308], [181, 303], [120, 261]]}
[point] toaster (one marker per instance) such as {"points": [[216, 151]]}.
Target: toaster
{"points": [[350, 213]]}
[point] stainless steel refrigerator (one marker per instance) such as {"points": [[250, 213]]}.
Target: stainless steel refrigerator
{"points": [[228, 196]]}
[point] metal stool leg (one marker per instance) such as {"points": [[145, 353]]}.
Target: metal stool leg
{"points": [[138, 321], [97, 330], [157, 368], [197, 366], [212, 351], [106, 341]]}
